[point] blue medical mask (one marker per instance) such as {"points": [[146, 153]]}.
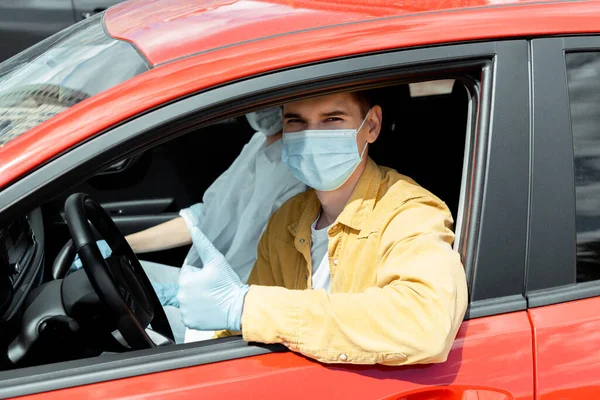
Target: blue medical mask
{"points": [[323, 159]]}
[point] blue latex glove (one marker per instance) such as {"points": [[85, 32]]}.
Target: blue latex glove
{"points": [[104, 248], [166, 293], [211, 298]]}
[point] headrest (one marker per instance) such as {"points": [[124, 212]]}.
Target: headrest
{"points": [[393, 101]]}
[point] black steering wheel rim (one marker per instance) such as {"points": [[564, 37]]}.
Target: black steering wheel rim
{"points": [[130, 297]]}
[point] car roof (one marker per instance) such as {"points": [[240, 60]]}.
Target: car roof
{"points": [[167, 30]]}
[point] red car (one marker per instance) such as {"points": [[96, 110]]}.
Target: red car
{"points": [[492, 105]]}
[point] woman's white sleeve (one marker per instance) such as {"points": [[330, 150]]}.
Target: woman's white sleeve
{"points": [[193, 215]]}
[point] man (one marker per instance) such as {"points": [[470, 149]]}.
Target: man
{"points": [[374, 247]]}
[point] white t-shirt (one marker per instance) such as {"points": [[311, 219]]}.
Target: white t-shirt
{"points": [[321, 277]]}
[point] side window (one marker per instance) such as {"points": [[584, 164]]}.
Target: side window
{"points": [[430, 88], [583, 78]]}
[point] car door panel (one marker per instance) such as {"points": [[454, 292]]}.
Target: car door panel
{"points": [[137, 215], [563, 258], [456, 392], [25, 23], [133, 224], [567, 350], [149, 191], [492, 359], [138, 207], [122, 211]]}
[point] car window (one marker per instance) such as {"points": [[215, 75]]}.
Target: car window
{"points": [[431, 88], [583, 78], [61, 71], [409, 136]]}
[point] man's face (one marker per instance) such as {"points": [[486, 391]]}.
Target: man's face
{"points": [[335, 111]]}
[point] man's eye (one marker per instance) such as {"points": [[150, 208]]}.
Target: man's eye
{"points": [[294, 121], [333, 119]]}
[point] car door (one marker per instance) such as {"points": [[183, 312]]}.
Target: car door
{"points": [[563, 285], [492, 356], [25, 23]]}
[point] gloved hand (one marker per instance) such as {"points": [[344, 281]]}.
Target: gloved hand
{"points": [[211, 298], [166, 293], [104, 248]]}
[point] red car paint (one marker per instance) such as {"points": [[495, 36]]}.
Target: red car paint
{"points": [[567, 338], [230, 61], [471, 372], [231, 45], [171, 29]]}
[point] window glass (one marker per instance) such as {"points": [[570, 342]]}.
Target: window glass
{"points": [[583, 77], [431, 88], [61, 71]]}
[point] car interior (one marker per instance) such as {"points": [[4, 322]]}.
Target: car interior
{"points": [[47, 316]]}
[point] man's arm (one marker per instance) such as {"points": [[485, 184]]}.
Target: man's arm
{"points": [[170, 234], [411, 316]]}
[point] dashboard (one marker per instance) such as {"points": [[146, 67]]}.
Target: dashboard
{"points": [[21, 261]]}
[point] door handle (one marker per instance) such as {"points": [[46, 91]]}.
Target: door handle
{"points": [[121, 165], [452, 392]]}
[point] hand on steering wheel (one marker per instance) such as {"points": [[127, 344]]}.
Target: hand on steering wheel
{"points": [[119, 280], [104, 248]]}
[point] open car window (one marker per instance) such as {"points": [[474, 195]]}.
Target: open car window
{"points": [[418, 129], [61, 71]]}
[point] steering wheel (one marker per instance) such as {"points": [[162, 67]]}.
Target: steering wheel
{"points": [[120, 281]]}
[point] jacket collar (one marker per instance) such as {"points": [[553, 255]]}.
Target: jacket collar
{"points": [[363, 198], [357, 209]]}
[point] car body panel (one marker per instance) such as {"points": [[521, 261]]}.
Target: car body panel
{"points": [[474, 368], [200, 27], [566, 326], [567, 350], [548, 351], [174, 80]]}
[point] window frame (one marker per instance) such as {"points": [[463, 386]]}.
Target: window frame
{"points": [[552, 139], [493, 137]]}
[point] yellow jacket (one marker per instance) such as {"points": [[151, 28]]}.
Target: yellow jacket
{"points": [[398, 290]]}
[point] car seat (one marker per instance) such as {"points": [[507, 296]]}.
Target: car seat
{"points": [[424, 138]]}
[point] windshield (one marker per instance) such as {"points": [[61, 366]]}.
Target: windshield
{"points": [[61, 71]]}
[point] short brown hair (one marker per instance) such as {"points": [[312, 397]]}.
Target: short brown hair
{"points": [[364, 99]]}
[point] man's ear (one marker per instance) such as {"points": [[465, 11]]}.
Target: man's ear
{"points": [[374, 123]]}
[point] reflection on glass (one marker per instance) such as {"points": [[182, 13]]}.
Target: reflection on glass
{"points": [[59, 72], [583, 77]]}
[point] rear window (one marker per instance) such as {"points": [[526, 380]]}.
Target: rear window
{"points": [[61, 71], [431, 88]]}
